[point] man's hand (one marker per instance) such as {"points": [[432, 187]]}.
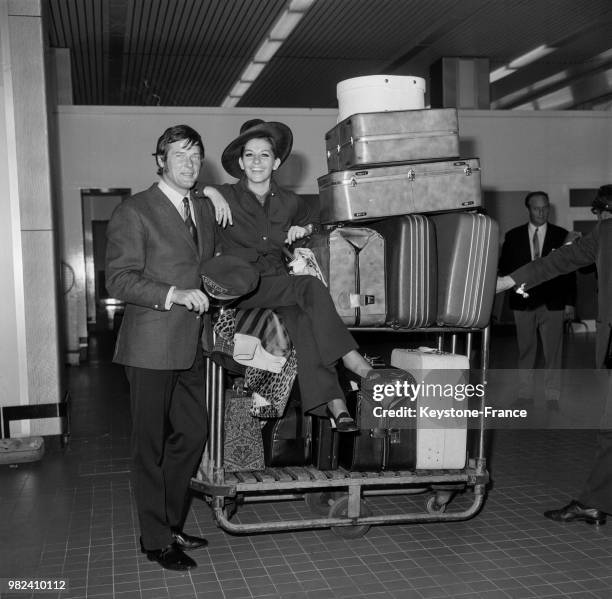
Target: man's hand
{"points": [[569, 313], [223, 213], [192, 299], [504, 283], [296, 232]]}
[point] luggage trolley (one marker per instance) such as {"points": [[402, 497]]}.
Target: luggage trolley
{"points": [[336, 496]]}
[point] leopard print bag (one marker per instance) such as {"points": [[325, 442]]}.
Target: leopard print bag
{"points": [[271, 391]]}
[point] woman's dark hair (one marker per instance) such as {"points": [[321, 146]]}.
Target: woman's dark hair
{"points": [[176, 133]]}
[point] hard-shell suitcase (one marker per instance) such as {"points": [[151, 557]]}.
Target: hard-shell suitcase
{"points": [[395, 136], [324, 444], [352, 260], [287, 440], [386, 438], [376, 192], [468, 245], [410, 244], [441, 437]]}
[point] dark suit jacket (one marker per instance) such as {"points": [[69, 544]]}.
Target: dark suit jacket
{"points": [[150, 249], [516, 251], [596, 247]]}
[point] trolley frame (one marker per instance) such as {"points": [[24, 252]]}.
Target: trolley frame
{"points": [[221, 489]]}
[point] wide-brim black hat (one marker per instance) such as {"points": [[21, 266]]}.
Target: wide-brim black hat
{"points": [[228, 277], [279, 132]]}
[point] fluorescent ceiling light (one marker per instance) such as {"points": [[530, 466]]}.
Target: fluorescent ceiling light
{"points": [[531, 56], [500, 73], [230, 102], [252, 71], [285, 25], [267, 50], [300, 5], [240, 88], [278, 33], [520, 62]]}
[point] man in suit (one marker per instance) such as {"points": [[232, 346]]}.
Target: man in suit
{"points": [[595, 499], [547, 306], [157, 241]]}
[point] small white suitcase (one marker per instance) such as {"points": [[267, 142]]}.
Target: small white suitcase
{"points": [[441, 442]]}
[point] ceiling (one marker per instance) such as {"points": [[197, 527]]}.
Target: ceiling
{"points": [[192, 52]]}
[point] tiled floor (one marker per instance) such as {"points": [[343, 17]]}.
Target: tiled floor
{"points": [[71, 516]]}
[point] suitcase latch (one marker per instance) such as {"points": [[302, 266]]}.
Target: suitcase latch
{"points": [[468, 170], [352, 143], [354, 182], [411, 175], [394, 436]]}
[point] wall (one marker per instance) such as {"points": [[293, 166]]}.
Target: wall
{"points": [[102, 147]]}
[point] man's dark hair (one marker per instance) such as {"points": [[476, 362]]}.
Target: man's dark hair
{"points": [[533, 194], [603, 200], [176, 133]]}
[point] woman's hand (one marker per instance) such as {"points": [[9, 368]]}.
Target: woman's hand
{"points": [[223, 213], [296, 232]]}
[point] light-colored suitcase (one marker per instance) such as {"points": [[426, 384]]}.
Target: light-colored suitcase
{"points": [[352, 260], [425, 187], [467, 246], [397, 136], [441, 443], [412, 294]]}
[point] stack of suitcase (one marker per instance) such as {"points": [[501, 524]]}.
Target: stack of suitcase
{"points": [[406, 246]]}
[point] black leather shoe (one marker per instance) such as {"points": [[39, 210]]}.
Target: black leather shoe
{"points": [[345, 423], [171, 557], [188, 542], [577, 511]]}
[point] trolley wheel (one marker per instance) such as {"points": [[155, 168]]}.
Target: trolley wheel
{"points": [[320, 502], [339, 509], [435, 506]]}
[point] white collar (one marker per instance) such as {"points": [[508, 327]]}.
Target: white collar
{"points": [[174, 196], [541, 229]]}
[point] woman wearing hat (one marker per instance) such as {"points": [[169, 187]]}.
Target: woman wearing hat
{"points": [[263, 218]]}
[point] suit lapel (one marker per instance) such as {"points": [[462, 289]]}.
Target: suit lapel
{"points": [[173, 218]]}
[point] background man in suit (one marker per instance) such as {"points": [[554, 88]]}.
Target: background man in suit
{"points": [[595, 500], [548, 304], [157, 241]]}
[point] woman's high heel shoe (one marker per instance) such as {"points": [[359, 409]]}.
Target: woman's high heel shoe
{"points": [[344, 422]]}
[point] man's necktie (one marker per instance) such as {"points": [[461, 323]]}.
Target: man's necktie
{"points": [[536, 245], [189, 221]]}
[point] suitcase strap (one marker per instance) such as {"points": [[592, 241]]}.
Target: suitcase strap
{"points": [[396, 136]]}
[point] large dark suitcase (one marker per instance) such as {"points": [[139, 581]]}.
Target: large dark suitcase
{"points": [[352, 260], [410, 243], [385, 441], [324, 444], [393, 136], [371, 193], [287, 440], [468, 245]]}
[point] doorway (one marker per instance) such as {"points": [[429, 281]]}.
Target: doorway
{"points": [[97, 208]]}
